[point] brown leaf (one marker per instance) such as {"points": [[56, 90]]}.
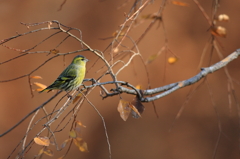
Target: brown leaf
{"points": [[137, 107], [135, 113], [124, 109], [180, 3], [42, 140], [81, 144]]}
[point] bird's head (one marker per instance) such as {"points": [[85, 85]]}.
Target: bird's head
{"points": [[79, 59]]}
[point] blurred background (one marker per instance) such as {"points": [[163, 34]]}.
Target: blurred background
{"points": [[201, 125]]}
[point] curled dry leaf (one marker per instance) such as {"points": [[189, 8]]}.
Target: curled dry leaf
{"points": [[135, 113], [124, 109], [42, 140]]}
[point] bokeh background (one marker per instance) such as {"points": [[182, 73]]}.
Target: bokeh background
{"points": [[194, 135]]}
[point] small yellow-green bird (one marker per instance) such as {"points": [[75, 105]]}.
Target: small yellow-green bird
{"points": [[71, 78]]}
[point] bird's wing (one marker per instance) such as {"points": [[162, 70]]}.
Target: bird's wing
{"points": [[66, 78]]}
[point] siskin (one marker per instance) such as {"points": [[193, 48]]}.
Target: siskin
{"points": [[71, 78]]}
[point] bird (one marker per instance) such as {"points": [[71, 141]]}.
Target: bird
{"points": [[71, 78]]}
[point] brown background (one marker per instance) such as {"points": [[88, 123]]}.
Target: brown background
{"points": [[194, 135]]}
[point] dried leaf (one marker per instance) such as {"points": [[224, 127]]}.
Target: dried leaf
{"points": [[65, 143], [80, 124], [124, 109], [42, 140], [54, 51], [137, 107], [223, 18], [48, 152], [172, 60], [135, 113], [219, 31], [81, 144], [77, 97], [42, 86], [151, 58], [36, 77], [180, 3]]}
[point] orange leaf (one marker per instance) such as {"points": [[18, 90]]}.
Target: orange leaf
{"points": [[48, 152], [42, 86], [172, 60], [81, 144], [73, 134], [36, 77], [180, 3], [137, 107], [42, 140], [138, 86], [80, 124], [123, 109]]}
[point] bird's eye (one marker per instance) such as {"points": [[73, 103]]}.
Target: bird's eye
{"points": [[82, 59]]}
